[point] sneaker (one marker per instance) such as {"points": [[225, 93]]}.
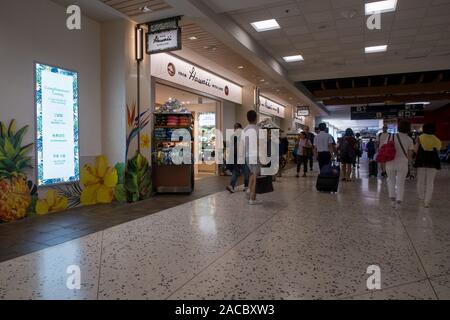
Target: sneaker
{"points": [[298, 176], [399, 204], [393, 203], [427, 205], [304, 175], [247, 194], [254, 202], [245, 189], [231, 189]]}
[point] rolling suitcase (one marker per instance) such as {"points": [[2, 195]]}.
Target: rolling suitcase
{"points": [[328, 180], [373, 168]]}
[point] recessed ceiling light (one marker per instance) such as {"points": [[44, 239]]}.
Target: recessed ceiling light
{"points": [[265, 25], [295, 58], [193, 38], [240, 67], [374, 49], [380, 7]]}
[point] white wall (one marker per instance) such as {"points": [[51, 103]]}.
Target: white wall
{"points": [[229, 114], [35, 30]]}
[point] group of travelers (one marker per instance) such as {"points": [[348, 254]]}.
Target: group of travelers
{"points": [[422, 152]]}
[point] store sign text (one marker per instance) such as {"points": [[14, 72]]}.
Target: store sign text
{"points": [[270, 107], [173, 69]]}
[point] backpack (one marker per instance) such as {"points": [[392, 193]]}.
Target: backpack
{"points": [[387, 151], [347, 149]]}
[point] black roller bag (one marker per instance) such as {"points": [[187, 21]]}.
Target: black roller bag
{"points": [[328, 180], [264, 184], [373, 168]]}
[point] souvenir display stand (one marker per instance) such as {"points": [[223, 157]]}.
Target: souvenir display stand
{"points": [[167, 176]]}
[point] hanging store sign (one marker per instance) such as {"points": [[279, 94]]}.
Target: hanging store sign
{"points": [[303, 111], [270, 107], [173, 69], [164, 36], [387, 112]]}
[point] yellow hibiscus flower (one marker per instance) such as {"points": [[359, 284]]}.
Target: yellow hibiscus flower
{"points": [[52, 203], [98, 181]]}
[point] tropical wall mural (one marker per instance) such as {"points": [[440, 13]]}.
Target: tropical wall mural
{"points": [[100, 182]]}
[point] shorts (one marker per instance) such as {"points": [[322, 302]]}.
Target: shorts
{"points": [[254, 169]]}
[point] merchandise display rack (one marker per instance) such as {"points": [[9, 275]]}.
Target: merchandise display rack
{"points": [[167, 176]]}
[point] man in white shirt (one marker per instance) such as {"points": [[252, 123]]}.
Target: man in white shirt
{"points": [[323, 143], [250, 133]]}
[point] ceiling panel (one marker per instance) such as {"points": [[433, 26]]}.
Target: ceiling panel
{"points": [[210, 47], [132, 8], [316, 28]]}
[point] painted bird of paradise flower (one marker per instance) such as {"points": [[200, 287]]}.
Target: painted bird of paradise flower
{"points": [[136, 122]]}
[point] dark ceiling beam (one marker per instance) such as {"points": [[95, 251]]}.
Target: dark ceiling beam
{"points": [[422, 76], [392, 89], [393, 99]]}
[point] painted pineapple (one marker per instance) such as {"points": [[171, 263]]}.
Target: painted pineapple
{"points": [[15, 196]]}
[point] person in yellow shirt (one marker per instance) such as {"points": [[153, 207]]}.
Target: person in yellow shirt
{"points": [[427, 162]]}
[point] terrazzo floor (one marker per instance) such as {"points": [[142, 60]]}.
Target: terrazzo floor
{"points": [[298, 244]]}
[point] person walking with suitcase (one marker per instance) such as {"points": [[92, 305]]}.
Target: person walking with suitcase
{"points": [[324, 146], [250, 140]]}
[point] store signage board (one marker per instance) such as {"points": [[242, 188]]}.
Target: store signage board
{"points": [[270, 107], [387, 112], [167, 67], [207, 119], [164, 36], [303, 111], [163, 41], [57, 149]]}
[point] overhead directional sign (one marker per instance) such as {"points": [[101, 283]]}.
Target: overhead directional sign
{"points": [[387, 111]]}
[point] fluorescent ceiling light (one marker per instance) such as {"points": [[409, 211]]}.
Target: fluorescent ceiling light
{"points": [[381, 7], [265, 25], [374, 49], [193, 38], [424, 103], [298, 57]]}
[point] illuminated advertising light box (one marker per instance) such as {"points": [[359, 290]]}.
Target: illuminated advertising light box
{"points": [[57, 150]]}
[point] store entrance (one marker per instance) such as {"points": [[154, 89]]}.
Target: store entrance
{"points": [[205, 114]]}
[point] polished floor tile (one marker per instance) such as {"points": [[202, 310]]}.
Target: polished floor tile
{"points": [[297, 244]]}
